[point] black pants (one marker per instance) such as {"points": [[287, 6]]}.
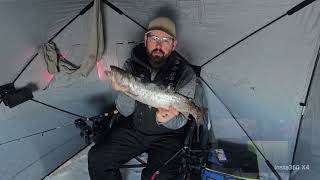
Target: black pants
{"points": [[124, 143]]}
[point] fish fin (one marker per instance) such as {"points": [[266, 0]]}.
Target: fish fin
{"points": [[198, 117], [204, 110], [108, 74], [201, 119], [130, 94], [185, 115], [170, 88], [183, 95]]}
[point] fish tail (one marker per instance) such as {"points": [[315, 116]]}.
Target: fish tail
{"points": [[198, 115]]}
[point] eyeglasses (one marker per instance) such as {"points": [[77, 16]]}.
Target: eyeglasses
{"points": [[163, 40]]}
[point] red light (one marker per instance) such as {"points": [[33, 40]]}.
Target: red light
{"points": [[47, 76], [100, 69]]}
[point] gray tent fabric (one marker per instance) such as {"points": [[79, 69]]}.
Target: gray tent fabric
{"points": [[54, 61], [96, 44], [258, 84], [201, 101], [48, 52], [94, 52]]}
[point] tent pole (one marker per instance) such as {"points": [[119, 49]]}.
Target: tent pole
{"points": [[25, 67], [84, 10], [82, 117], [256, 31], [122, 13], [251, 140], [290, 12], [304, 104]]}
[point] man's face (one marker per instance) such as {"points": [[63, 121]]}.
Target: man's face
{"points": [[159, 46]]}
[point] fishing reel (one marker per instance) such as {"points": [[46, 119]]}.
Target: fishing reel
{"points": [[214, 160], [85, 130], [94, 128], [193, 154]]}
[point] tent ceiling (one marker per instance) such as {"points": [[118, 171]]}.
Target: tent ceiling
{"points": [[206, 27]]}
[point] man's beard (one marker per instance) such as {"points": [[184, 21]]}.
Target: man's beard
{"points": [[157, 60]]}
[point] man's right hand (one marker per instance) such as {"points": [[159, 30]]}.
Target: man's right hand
{"points": [[164, 115]]}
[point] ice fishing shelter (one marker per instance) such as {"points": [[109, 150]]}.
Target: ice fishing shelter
{"points": [[259, 68]]}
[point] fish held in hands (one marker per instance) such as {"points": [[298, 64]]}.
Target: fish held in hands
{"points": [[154, 95]]}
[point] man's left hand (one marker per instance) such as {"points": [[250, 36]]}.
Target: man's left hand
{"points": [[164, 115]]}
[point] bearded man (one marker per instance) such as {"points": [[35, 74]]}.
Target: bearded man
{"points": [[159, 132]]}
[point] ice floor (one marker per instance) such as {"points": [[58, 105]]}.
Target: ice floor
{"points": [[77, 169]]}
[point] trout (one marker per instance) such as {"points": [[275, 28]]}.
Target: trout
{"points": [[154, 95]]}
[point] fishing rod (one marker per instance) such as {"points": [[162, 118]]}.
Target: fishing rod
{"points": [[34, 134], [47, 130], [79, 123]]}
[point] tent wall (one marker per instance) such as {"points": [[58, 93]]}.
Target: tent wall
{"points": [[27, 24], [263, 79], [35, 156], [307, 157]]}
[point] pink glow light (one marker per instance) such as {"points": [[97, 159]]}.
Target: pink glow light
{"points": [[47, 76], [100, 69]]}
